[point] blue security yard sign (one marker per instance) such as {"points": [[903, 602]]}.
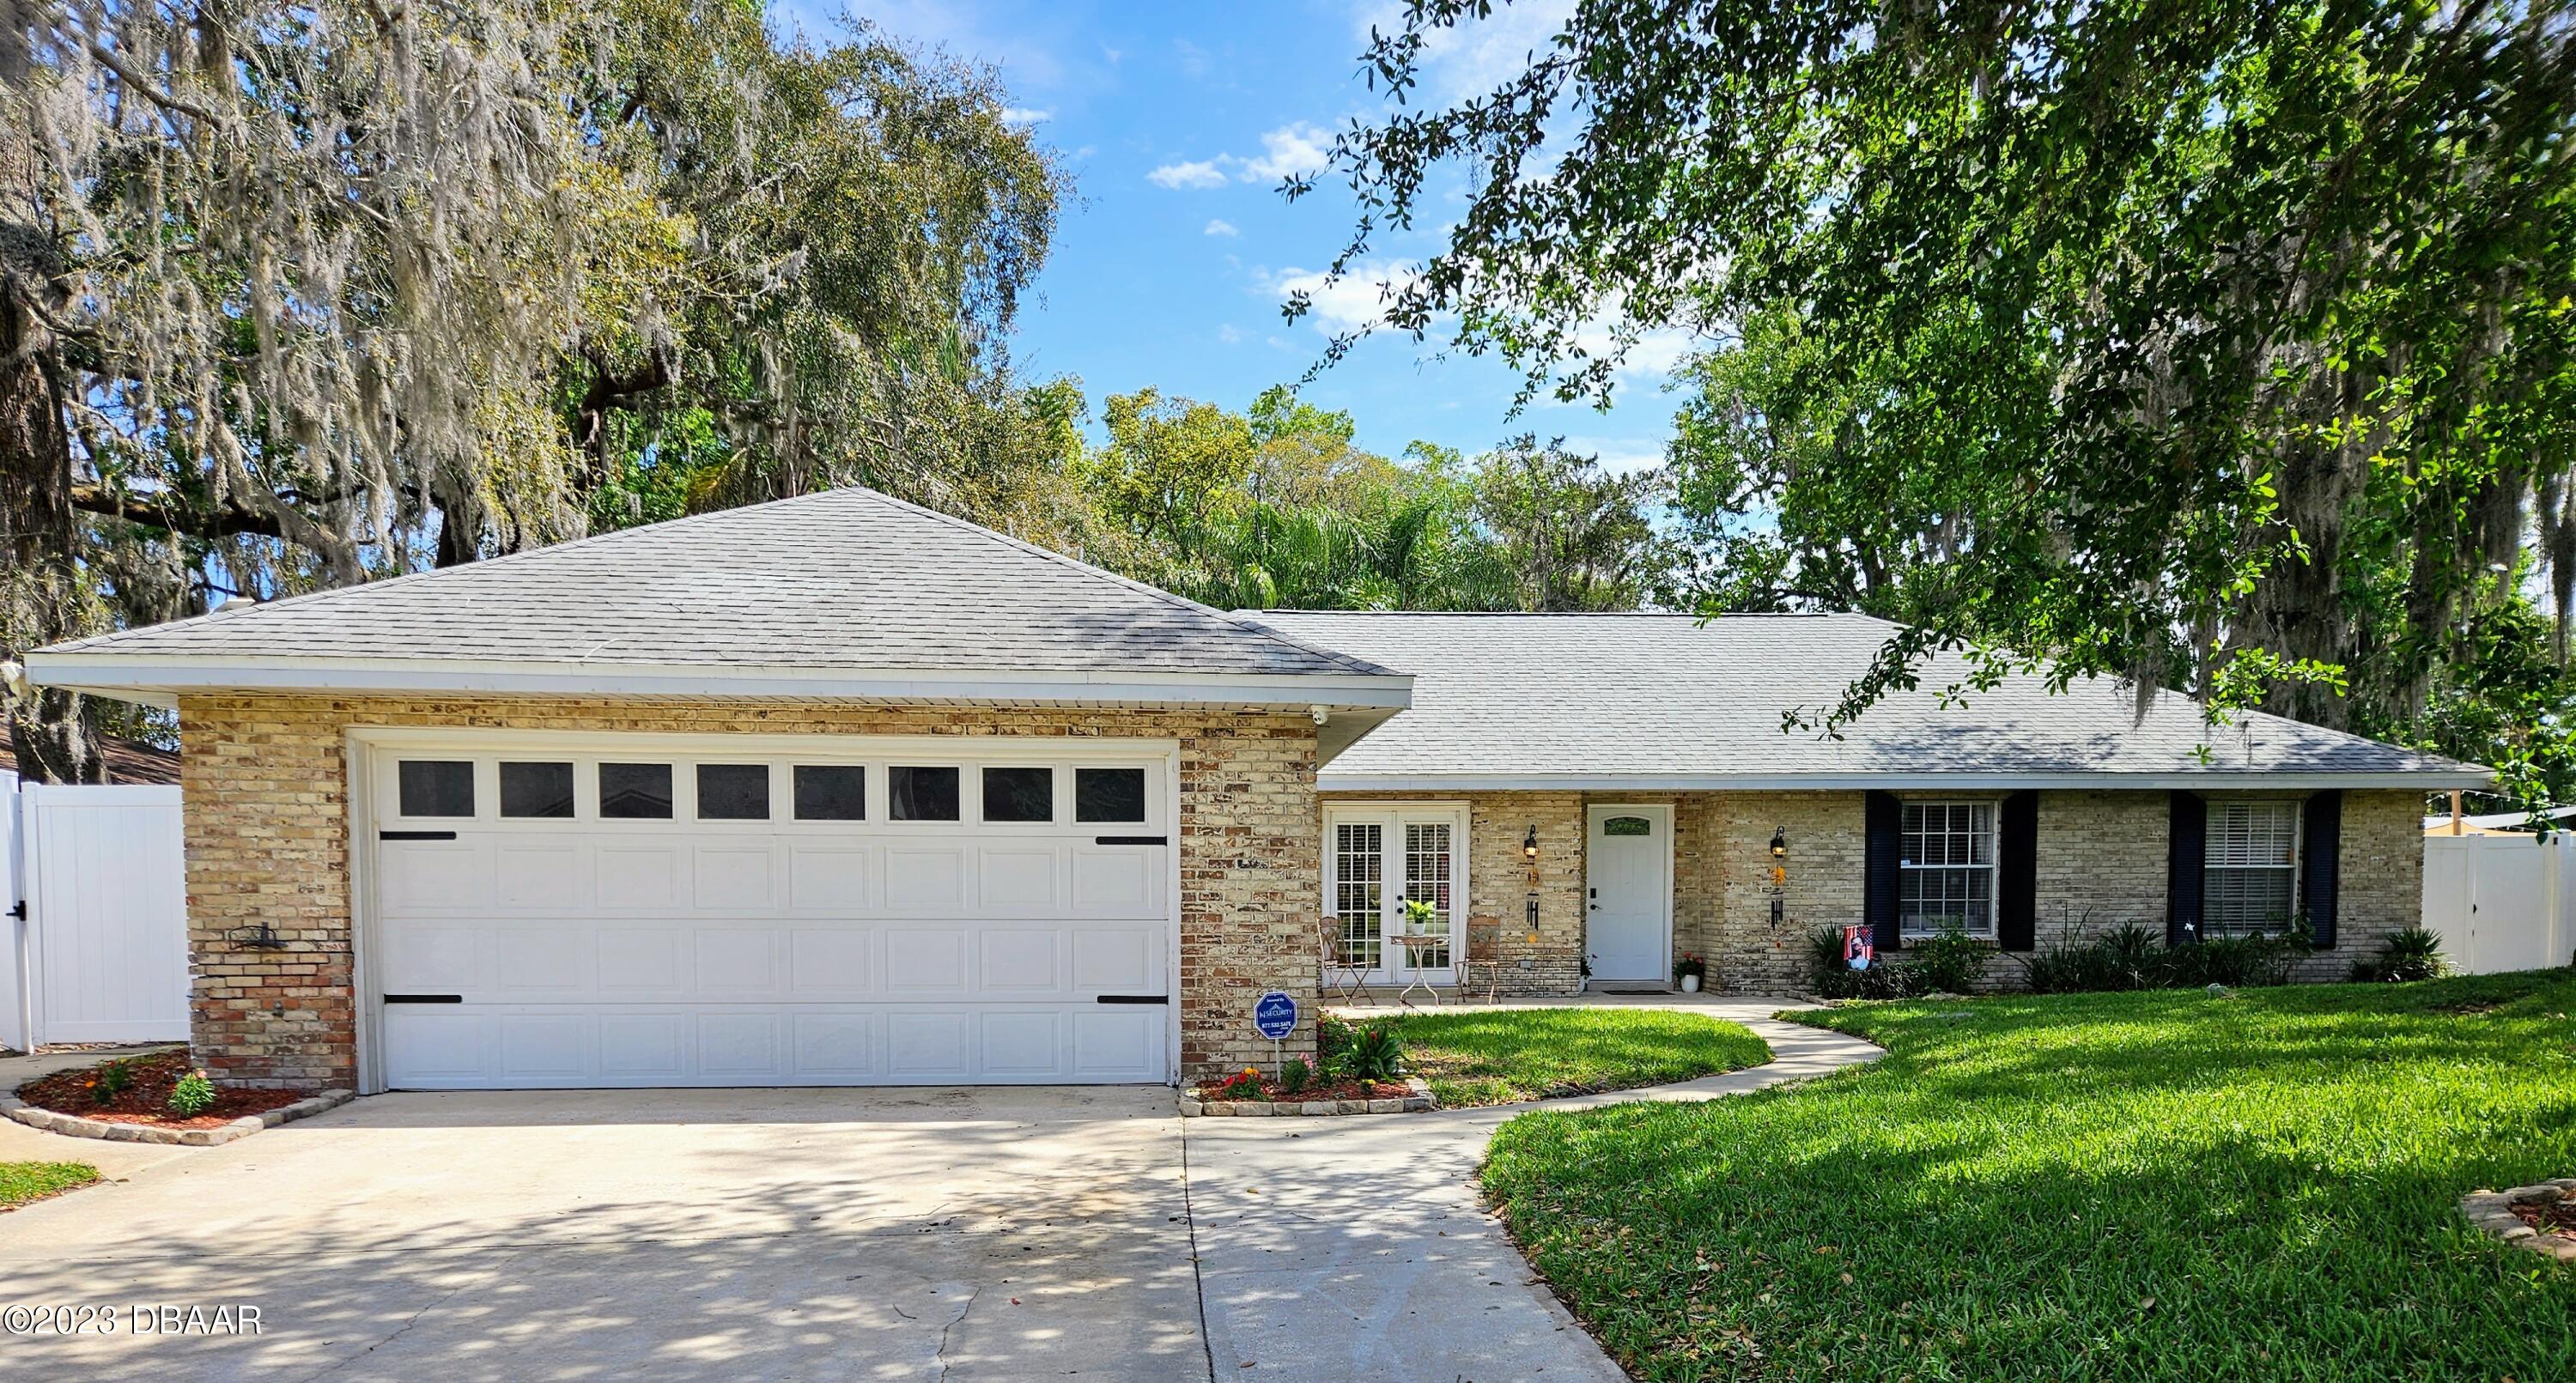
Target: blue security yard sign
{"points": [[1274, 1015]]}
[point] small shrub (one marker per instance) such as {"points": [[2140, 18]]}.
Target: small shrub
{"points": [[1374, 1054], [2241, 962], [1332, 1044], [1950, 963], [1295, 1076], [113, 1079], [2412, 954], [192, 1096]]}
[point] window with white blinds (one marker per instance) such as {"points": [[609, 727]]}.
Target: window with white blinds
{"points": [[1946, 869], [2251, 856]]}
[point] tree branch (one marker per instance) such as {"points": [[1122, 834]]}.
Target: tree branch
{"points": [[150, 513]]}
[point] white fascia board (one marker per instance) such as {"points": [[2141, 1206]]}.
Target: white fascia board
{"points": [[2426, 780], [156, 680]]}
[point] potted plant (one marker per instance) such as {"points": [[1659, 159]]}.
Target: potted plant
{"points": [[1688, 971]]}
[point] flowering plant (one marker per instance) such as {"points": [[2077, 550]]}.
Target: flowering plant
{"points": [[1689, 963]]}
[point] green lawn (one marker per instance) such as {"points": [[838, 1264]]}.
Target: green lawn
{"points": [[2158, 1185], [21, 1182], [1510, 1055]]}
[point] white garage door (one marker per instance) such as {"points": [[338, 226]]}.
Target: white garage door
{"points": [[599, 911]]}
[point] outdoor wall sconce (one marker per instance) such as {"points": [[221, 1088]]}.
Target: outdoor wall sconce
{"points": [[1779, 843], [1529, 845], [259, 936]]}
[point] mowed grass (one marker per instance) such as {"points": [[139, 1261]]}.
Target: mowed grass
{"points": [[21, 1182], [1506, 1056], [2158, 1185]]}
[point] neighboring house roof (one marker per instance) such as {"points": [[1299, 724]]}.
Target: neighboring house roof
{"points": [[845, 594], [128, 762], [1636, 701]]}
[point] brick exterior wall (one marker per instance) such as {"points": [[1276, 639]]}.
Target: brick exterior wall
{"points": [[2101, 863], [266, 787]]}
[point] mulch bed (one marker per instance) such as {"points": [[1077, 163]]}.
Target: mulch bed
{"points": [[145, 1099], [1338, 1090], [2545, 1216]]}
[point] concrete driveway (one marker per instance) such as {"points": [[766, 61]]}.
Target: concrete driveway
{"points": [[951, 1234]]}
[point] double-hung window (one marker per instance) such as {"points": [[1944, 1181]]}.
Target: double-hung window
{"points": [[2251, 867], [1946, 873]]}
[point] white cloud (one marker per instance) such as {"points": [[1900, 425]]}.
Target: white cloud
{"points": [[1221, 227], [1619, 455], [1021, 117], [1472, 58], [1203, 173], [1228, 334], [1354, 301], [1292, 150]]}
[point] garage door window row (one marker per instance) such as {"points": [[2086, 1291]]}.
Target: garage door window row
{"points": [[643, 791]]}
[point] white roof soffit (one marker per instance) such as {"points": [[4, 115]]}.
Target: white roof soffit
{"points": [[159, 681]]}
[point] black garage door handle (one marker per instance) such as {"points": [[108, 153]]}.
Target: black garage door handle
{"points": [[424, 998], [1135, 998], [415, 835]]}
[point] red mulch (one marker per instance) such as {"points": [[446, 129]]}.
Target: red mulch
{"points": [[146, 1097], [2545, 1216], [1339, 1090]]}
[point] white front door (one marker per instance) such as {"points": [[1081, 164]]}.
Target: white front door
{"points": [[1376, 861], [1629, 877], [598, 910]]}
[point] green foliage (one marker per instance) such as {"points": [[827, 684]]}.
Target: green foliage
{"points": [[2131, 956], [1689, 963], [192, 1095], [114, 1079], [1886, 977], [1509, 1055], [2135, 1186], [1332, 1040], [1295, 1075], [1374, 1052], [2213, 346], [1949, 963], [2405, 956]]}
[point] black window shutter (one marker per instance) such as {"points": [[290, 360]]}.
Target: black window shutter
{"points": [[2017, 891], [1884, 819], [2320, 851], [2183, 869]]}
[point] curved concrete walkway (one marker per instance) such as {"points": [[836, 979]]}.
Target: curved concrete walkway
{"points": [[1360, 1249]]}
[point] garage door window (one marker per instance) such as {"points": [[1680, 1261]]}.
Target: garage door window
{"points": [[922, 794], [635, 792], [733, 792], [1109, 795], [1019, 794], [536, 790], [436, 787], [831, 792]]}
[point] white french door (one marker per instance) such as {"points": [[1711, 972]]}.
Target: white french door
{"points": [[1376, 860]]}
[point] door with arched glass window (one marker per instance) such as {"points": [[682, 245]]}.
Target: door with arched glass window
{"points": [[1628, 868]]}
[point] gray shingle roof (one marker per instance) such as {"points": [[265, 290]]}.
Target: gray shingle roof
{"points": [[848, 579], [1642, 700]]}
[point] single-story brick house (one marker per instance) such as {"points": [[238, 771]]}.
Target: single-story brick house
{"points": [[839, 790]]}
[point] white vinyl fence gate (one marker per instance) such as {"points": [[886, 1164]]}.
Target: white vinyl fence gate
{"points": [[97, 943], [2501, 902]]}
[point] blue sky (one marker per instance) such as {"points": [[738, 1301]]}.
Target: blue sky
{"points": [[1176, 123]]}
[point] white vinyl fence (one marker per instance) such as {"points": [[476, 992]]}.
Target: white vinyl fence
{"points": [[97, 947], [2501, 902]]}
